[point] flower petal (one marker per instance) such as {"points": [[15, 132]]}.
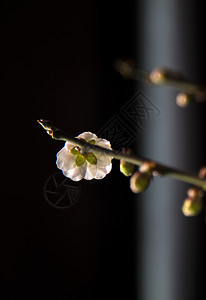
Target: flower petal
{"points": [[65, 160], [68, 146], [77, 173], [103, 143], [103, 160], [90, 172], [87, 136], [103, 171]]}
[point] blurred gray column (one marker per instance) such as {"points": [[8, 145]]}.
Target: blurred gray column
{"points": [[170, 246]]}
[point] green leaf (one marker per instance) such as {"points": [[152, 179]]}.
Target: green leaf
{"points": [[91, 158], [80, 160]]}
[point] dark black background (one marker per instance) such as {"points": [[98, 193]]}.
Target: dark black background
{"points": [[58, 64], [57, 59]]}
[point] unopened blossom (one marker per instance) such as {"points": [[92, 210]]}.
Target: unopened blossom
{"points": [[89, 165]]}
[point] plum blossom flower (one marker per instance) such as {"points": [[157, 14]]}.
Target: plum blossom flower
{"points": [[77, 165]]}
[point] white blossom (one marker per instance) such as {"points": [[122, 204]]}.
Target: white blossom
{"points": [[77, 166]]}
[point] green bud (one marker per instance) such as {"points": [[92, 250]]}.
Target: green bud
{"points": [[139, 181], [126, 168], [80, 160], [192, 207]]}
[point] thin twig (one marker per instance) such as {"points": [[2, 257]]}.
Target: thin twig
{"points": [[160, 169], [161, 77]]}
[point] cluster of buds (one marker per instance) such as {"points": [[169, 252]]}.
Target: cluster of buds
{"points": [[193, 204], [183, 99], [89, 157], [140, 179], [188, 91], [161, 76]]}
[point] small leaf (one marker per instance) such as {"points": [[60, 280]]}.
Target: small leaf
{"points": [[80, 160], [91, 158]]}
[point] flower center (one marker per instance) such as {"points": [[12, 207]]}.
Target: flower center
{"points": [[81, 158]]}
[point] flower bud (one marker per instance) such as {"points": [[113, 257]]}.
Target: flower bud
{"points": [[200, 96], [183, 99], [195, 193], [125, 68], [202, 173], [164, 76], [192, 207], [194, 203], [148, 166], [139, 181], [126, 168]]}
